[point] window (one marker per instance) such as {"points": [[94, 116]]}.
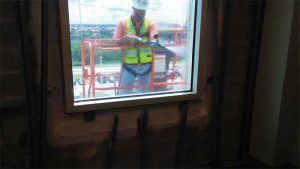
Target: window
{"points": [[158, 62]]}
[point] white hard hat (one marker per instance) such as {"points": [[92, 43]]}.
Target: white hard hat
{"points": [[140, 4]]}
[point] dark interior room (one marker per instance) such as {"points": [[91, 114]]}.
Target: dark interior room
{"points": [[222, 92]]}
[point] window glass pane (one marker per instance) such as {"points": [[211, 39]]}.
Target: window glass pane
{"points": [[124, 48]]}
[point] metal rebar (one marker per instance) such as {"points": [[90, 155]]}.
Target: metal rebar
{"points": [[111, 143]]}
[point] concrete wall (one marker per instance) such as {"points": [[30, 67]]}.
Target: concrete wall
{"points": [[73, 142], [275, 118], [13, 118], [237, 36], [84, 142], [71, 133]]}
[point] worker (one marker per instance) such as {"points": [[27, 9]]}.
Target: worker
{"points": [[136, 67]]}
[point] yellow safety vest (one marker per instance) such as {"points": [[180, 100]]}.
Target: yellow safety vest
{"points": [[137, 55]]}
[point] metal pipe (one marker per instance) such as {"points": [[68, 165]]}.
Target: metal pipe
{"points": [[219, 14], [142, 131], [183, 108], [30, 156], [44, 85]]}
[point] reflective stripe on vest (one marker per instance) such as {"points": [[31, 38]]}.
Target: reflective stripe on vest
{"points": [[136, 55]]}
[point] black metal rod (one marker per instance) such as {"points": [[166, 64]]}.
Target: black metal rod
{"points": [[142, 130], [219, 51], [31, 154], [111, 143], [183, 108], [215, 86], [2, 140], [44, 85]]}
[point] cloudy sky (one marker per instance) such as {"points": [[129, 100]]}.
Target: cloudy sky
{"points": [[111, 11]]}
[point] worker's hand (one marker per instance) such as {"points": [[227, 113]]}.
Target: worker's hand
{"points": [[131, 39]]}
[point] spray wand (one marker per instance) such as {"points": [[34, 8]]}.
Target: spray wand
{"points": [[149, 42], [176, 50]]}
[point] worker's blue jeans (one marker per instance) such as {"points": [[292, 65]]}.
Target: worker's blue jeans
{"points": [[129, 79]]}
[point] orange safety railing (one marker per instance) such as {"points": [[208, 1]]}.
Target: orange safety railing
{"points": [[89, 74]]}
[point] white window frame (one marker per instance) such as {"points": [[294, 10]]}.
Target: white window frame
{"points": [[99, 104]]}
